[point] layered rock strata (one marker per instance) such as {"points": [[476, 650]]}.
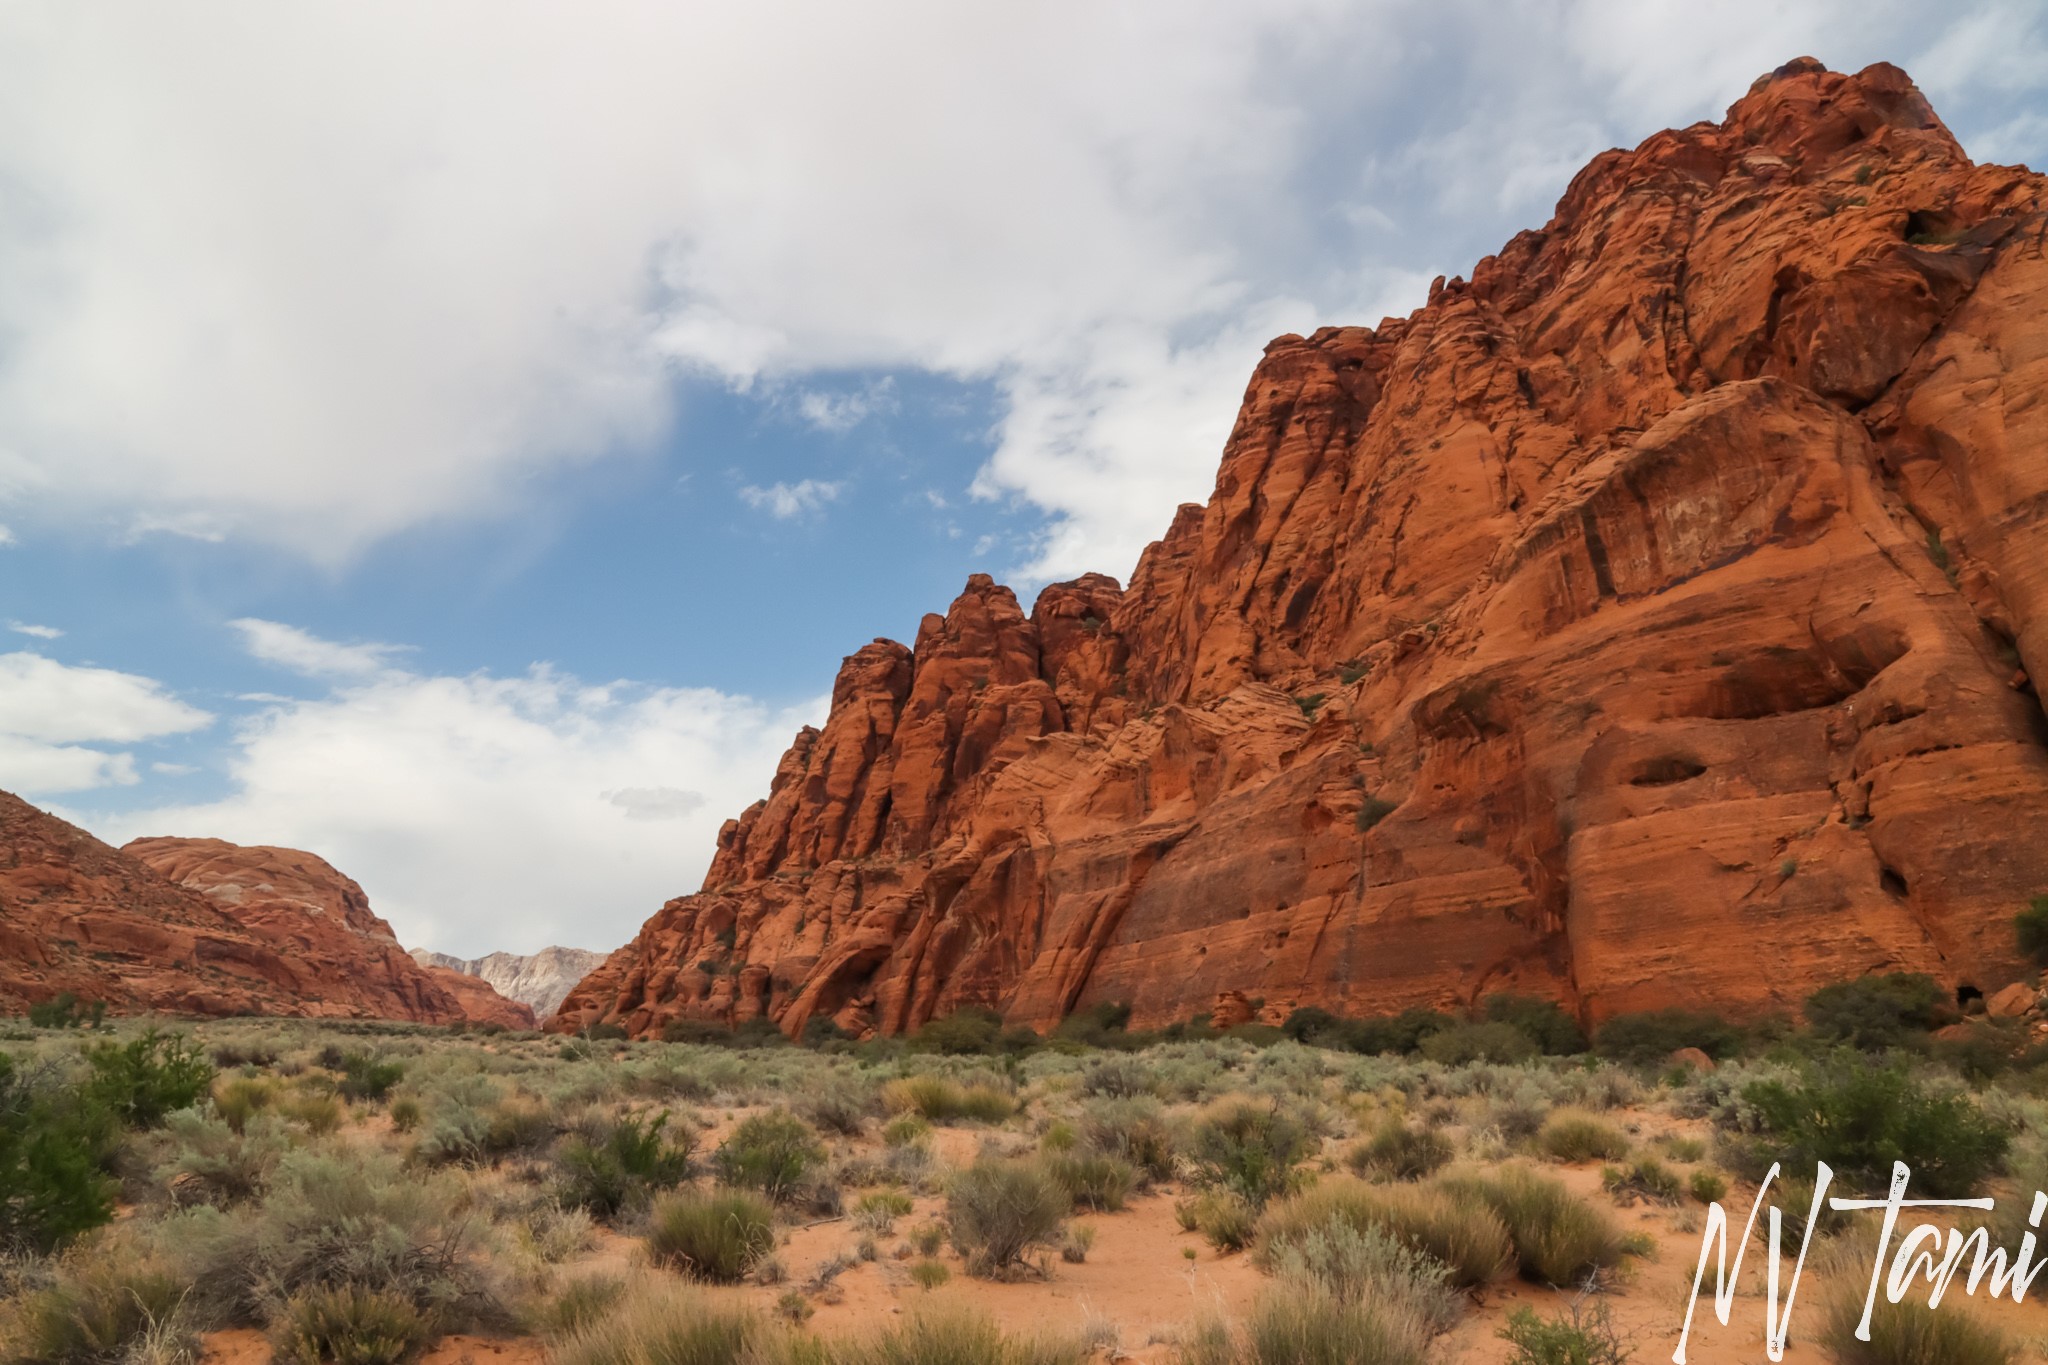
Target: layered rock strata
{"points": [[1650, 618]]}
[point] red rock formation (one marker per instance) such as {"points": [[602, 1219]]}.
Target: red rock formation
{"points": [[1647, 620], [255, 931], [321, 921]]}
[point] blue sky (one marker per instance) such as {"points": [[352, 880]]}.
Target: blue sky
{"points": [[466, 448]]}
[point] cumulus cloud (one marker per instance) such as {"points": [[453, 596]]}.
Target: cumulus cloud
{"points": [[39, 632], [486, 812], [6, 536], [785, 500], [319, 274], [302, 652], [51, 713]]}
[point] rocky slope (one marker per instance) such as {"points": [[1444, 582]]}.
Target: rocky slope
{"points": [[537, 980], [320, 920], [233, 931], [1648, 619]]}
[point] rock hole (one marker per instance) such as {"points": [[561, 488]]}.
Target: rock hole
{"points": [[1666, 771], [1894, 885], [1965, 994]]}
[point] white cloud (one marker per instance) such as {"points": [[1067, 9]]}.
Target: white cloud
{"points": [[654, 803], [42, 699], [174, 769], [50, 712], [316, 275], [785, 500], [484, 812], [39, 632], [6, 536], [302, 652], [838, 413]]}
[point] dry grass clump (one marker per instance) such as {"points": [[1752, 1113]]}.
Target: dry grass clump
{"points": [[1465, 1235], [716, 1236], [1303, 1324], [350, 1325], [955, 1336], [106, 1300], [657, 1324], [939, 1100], [1092, 1180], [1573, 1135], [1911, 1333], [1135, 1130], [1225, 1218], [1558, 1237], [1397, 1151]]}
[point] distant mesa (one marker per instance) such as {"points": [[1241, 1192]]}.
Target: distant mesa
{"points": [[199, 926], [1652, 617], [536, 980]]}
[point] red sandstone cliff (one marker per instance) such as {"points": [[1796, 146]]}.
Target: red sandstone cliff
{"points": [[1647, 620], [230, 931], [321, 921]]}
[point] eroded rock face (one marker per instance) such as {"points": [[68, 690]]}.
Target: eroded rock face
{"points": [[1648, 620], [536, 980], [345, 960], [196, 926]]}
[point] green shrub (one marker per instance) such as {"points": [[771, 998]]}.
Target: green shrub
{"points": [[369, 1078], [1911, 1333], [996, 1211], [1461, 1044], [52, 1142], [2030, 931], [1573, 1135], [768, 1152], [237, 1099], [1135, 1131], [1250, 1148], [1093, 1180], [1861, 1119], [878, 1212], [1404, 1032], [1582, 1335], [148, 1077], [1104, 1025], [350, 1325], [625, 1165], [1649, 1037], [1461, 1233], [345, 1217], [930, 1274], [406, 1114], [1117, 1078], [65, 1010], [715, 1236], [1543, 1022], [1399, 1152], [1707, 1187], [1878, 1012], [972, 1032]]}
